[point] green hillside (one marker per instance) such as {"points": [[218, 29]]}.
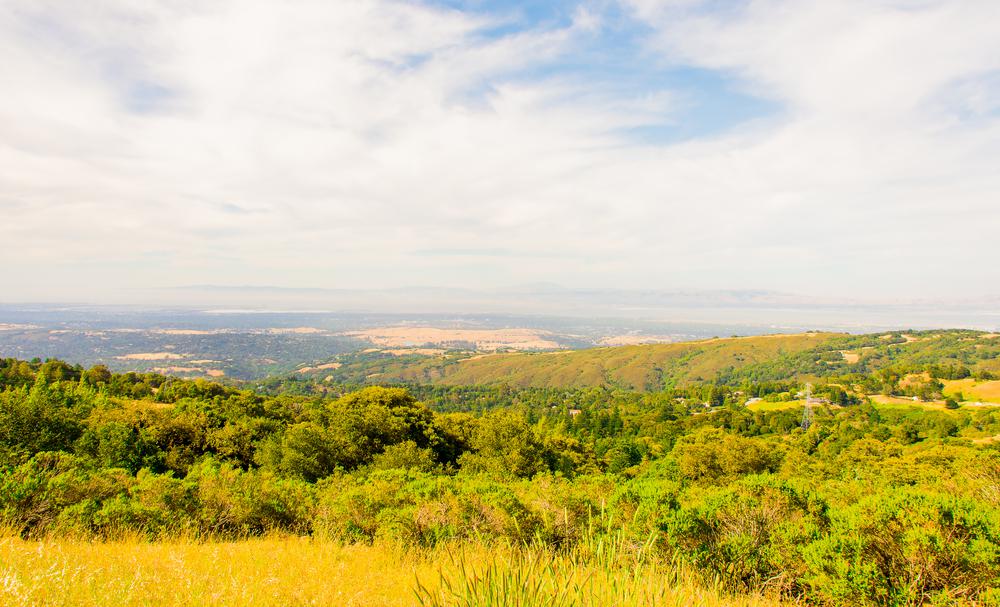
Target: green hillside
{"points": [[654, 367]]}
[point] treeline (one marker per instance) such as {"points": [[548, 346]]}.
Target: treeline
{"points": [[865, 506]]}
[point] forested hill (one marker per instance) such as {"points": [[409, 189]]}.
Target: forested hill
{"points": [[659, 366]]}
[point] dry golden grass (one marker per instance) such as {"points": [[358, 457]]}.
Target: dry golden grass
{"points": [[763, 405], [635, 340], [320, 367], [302, 571], [152, 356], [906, 402], [985, 391], [485, 339], [290, 571], [850, 357]]}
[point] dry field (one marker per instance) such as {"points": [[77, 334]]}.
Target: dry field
{"points": [[173, 370], [763, 405], [185, 332], [882, 399], [300, 571], [484, 339], [635, 340], [418, 351], [972, 390], [850, 357], [898, 402], [319, 367], [152, 356], [296, 331]]}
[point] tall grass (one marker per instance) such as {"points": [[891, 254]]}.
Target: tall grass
{"points": [[601, 571], [288, 571]]}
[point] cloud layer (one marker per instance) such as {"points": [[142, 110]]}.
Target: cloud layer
{"points": [[370, 143]]}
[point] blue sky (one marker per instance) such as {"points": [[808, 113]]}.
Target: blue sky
{"points": [[845, 148], [613, 57]]}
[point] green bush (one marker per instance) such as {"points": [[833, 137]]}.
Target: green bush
{"points": [[750, 534], [903, 548]]}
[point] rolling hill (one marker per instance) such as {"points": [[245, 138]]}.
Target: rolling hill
{"points": [[656, 366]]}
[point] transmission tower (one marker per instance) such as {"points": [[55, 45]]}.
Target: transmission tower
{"points": [[807, 412], [807, 417]]}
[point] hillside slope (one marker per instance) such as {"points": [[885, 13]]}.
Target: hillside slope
{"points": [[654, 367], [643, 367]]}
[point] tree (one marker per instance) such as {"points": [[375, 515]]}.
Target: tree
{"points": [[308, 451], [97, 375], [503, 444], [115, 445], [36, 420]]}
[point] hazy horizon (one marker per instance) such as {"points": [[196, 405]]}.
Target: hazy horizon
{"points": [[752, 310]]}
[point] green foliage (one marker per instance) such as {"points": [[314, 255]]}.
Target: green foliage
{"points": [[503, 444], [40, 419], [405, 456], [870, 505], [116, 445], [711, 454], [905, 547], [751, 533], [309, 451]]}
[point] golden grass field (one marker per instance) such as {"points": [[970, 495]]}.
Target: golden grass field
{"points": [[899, 402], [764, 405], [984, 391], [301, 571], [485, 339]]}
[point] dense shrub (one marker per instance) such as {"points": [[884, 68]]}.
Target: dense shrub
{"points": [[750, 534], [906, 547]]}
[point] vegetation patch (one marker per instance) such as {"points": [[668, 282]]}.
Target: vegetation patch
{"points": [[188, 490]]}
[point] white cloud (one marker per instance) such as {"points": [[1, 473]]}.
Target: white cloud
{"points": [[879, 142], [324, 144]]}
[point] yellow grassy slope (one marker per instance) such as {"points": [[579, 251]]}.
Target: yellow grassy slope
{"points": [[300, 571], [973, 390]]}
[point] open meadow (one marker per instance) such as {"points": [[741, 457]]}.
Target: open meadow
{"points": [[973, 390]]}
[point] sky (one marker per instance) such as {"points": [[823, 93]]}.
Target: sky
{"points": [[847, 148]]}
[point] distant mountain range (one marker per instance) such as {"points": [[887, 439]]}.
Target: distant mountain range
{"points": [[763, 307]]}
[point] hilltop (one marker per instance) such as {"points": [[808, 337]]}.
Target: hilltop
{"points": [[654, 367]]}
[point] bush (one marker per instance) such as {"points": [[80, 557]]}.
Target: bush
{"points": [[712, 453], [234, 503], [750, 535], [903, 548]]}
